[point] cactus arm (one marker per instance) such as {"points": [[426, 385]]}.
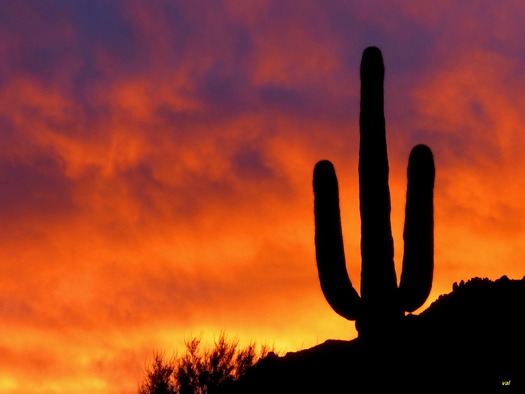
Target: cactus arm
{"points": [[378, 277], [335, 283], [418, 235]]}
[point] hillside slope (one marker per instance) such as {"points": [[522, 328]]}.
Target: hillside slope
{"points": [[470, 340]]}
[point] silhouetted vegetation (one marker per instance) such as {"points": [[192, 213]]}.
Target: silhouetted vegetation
{"points": [[200, 370], [159, 376], [382, 304], [469, 341]]}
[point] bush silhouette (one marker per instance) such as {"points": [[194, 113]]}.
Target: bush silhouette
{"points": [[159, 376], [382, 304], [199, 370]]}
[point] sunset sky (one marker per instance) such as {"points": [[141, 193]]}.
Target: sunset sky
{"points": [[156, 163]]}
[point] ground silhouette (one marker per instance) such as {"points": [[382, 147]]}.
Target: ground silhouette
{"points": [[468, 341]]}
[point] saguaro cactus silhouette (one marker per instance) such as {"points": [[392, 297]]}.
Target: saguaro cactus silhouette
{"points": [[382, 303]]}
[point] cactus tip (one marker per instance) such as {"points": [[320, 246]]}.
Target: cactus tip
{"points": [[372, 66]]}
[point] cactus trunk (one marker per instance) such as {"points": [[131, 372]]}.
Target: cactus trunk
{"points": [[378, 277]]}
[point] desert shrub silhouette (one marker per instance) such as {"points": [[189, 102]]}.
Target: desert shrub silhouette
{"points": [[382, 304], [159, 377], [199, 370]]}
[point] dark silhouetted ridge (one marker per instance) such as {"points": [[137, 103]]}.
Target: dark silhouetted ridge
{"points": [[468, 341]]}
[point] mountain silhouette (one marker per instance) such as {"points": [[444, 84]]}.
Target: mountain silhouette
{"points": [[468, 341]]}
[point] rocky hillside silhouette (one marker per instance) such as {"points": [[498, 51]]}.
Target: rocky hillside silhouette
{"points": [[471, 340]]}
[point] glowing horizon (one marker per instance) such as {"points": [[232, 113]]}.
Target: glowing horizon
{"points": [[156, 169]]}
